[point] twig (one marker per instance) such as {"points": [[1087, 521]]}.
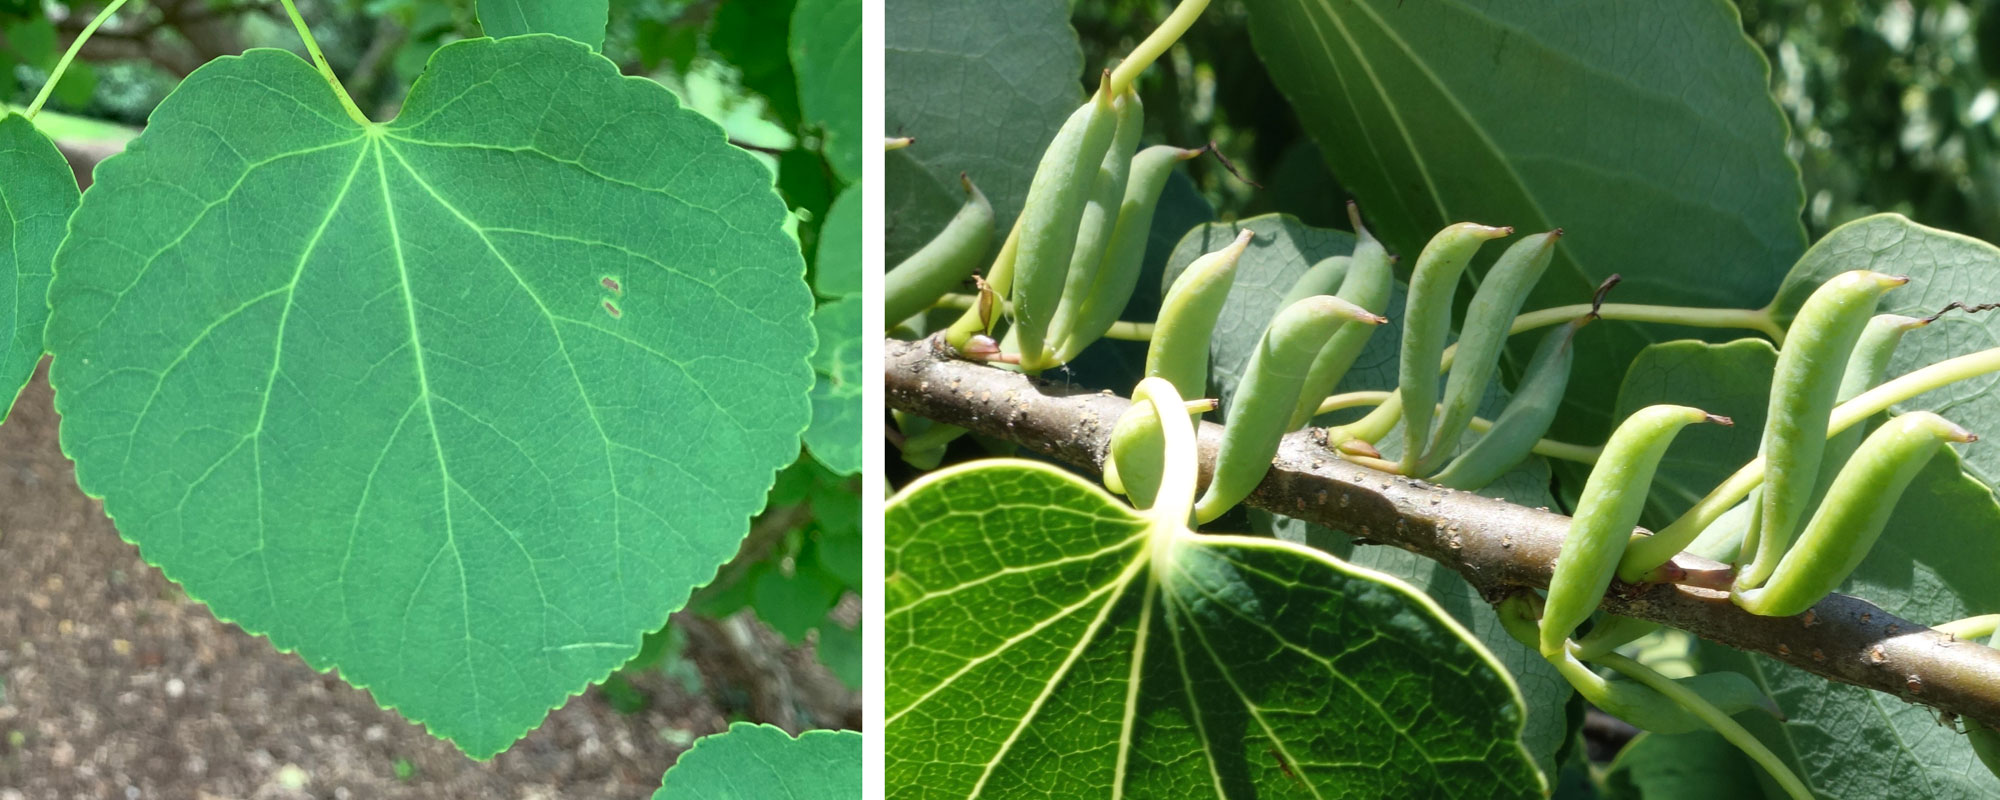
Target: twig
{"points": [[1497, 546]]}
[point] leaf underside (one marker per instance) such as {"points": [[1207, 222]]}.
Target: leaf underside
{"points": [[760, 762], [1032, 651], [461, 404], [37, 193]]}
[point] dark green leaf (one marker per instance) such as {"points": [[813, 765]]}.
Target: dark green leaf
{"points": [[1689, 766], [1733, 380], [835, 435], [1647, 133], [794, 604], [463, 404], [982, 85], [744, 34], [582, 20], [837, 270], [826, 56], [39, 193], [840, 650]]}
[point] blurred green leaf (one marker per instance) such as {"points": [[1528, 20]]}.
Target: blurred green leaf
{"points": [[794, 604], [34, 40], [826, 56], [582, 20], [760, 762], [1689, 766], [982, 85], [839, 648], [837, 270], [745, 33], [835, 434], [39, 192]]}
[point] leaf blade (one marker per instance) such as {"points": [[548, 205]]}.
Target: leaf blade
{"points": [[536, 403]]}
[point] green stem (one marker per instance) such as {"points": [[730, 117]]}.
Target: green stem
{"points": [[55, 75], [1148, 51], [1647, 553], [1971, 628], [1757, 319], [1549, 448], [1383, 419], [1722, 723], [325, 69], [1123, 331]]}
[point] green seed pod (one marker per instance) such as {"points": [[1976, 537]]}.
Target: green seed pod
{"points": [[1606, 513], [1179, 351], [1483, 336], [1270, 390], [1137, 455], [1722, 540], [1051, 215], [1803, 387], [1369, 279], [1100, 216], [1136, 459], [1321, 278], [1426, 325], [1865, 368], [1118, 274], [1525, 419], [943, 263], [1857, 507]]}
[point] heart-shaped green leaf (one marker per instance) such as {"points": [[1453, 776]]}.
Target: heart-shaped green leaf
{"points": [[760, 762], [463, 404], [1045, 639], [38, 192], [826, 55], [582, 20]]}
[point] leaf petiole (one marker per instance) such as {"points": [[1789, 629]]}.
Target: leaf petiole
{"points": [[62, 66], [1971, 628], [1549, 448], [325, 69]]}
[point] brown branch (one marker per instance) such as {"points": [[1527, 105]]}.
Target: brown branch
{"points": [[1498, 547]]}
